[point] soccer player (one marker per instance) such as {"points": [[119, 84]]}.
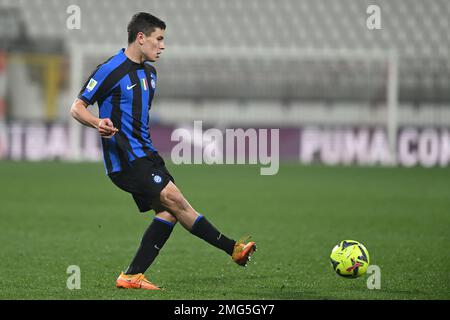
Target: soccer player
{"points": [[123, 88]]}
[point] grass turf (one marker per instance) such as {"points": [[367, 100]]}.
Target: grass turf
{"points": [[54, 215]]}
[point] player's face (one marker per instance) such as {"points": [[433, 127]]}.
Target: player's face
{"points": [[153, 45]]}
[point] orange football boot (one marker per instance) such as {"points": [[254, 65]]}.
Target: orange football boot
{"points": [[243, 251], [135, 281]]}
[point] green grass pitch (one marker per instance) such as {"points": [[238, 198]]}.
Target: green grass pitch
{"points": [[54, 215]]}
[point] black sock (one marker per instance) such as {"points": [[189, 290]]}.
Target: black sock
{"points": [[153, 240], [206, 231]]}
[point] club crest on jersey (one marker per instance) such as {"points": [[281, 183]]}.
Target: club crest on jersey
{"points": [[157, 178], [144, 84], [153, 84], [91, 85]]}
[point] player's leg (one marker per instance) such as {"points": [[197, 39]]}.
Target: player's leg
{"points": [[152, 241], [172, 199], [135, 181]]}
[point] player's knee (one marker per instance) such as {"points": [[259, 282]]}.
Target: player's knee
{"points": [[173, 199], [167, 216]]}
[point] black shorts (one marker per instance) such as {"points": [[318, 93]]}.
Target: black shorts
{"points": [[144, 179]]}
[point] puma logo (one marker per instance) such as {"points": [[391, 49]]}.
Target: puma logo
{"points": [[353, 267]]}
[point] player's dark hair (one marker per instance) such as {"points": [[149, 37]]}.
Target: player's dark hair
{"points": [[143, 22]]}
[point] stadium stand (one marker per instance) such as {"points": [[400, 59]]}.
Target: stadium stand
{"points": [[416, 29]]}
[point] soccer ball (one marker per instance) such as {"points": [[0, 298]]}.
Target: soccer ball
{"points": [[350, 259]]}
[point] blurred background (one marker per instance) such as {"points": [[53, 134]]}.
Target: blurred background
{"points": [[339, 91]]}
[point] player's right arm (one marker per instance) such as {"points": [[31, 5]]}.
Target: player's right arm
{"points": [[79, 111], [96, 87]]}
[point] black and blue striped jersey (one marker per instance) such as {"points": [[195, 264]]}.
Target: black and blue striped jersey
{"points": [[123, 90]]}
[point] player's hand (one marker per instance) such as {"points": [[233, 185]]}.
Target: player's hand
{"points": [[106, 128]]}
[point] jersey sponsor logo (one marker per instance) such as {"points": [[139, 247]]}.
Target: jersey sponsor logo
{"points": [[153, 84], [130, 87], [91, 85]]}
